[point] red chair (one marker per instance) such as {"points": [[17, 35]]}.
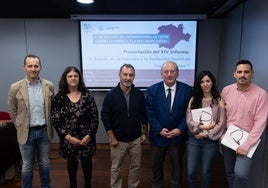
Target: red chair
{"points": [[4, 115], [4, 118]]}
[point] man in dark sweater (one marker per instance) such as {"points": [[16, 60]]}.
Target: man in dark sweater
{"points": [[124, 118]]}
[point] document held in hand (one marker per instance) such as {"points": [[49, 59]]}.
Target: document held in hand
{"points": [[202, 115], [235, 136]]}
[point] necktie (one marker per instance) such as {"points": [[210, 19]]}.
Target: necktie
{"points": [[169, 98]]}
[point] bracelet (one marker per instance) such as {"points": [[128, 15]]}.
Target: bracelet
{"points": [[145, 133]]}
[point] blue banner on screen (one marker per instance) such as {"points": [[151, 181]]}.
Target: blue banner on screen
{"points": [[106, 45]]}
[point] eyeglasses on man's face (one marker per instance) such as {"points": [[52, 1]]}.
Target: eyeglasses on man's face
{"points": [[171, 72]]}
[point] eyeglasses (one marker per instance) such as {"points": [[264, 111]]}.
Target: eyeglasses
{"points": [[205, 116], [237, 135], [172, 72]]}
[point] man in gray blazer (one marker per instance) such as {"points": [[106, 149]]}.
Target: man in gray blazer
{"points": [[29, 103]]}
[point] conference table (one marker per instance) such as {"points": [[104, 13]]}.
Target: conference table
{"points": [[9, 148]]}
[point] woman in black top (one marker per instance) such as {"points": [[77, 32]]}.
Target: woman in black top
{"points": [[75, 118]]}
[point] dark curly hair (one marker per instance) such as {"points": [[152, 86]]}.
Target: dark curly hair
{"points": [[197, 92]]}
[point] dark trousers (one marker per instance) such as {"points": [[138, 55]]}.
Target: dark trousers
{"points": [[176, 154], [72, 167]]}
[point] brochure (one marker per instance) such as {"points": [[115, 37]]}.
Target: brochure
{"points": [[235, 136], [202, 115]]}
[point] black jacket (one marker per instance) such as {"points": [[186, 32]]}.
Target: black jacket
{"points": [[125, 123]]}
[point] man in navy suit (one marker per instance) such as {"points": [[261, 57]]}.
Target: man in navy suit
{"points": [[168, 129]]}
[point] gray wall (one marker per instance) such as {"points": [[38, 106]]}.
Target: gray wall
{"points": [[244, 36], [56, 41], [221, 42]]}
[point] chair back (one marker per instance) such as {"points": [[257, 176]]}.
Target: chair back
{"points": [[4, 115]]}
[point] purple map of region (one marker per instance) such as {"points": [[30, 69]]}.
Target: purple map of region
{"points": [[176, 35]]}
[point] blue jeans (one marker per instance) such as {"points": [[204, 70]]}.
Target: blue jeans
{"points": [[37, 144], [200, 152], [237, 168]]}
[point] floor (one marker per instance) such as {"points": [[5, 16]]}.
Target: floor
{"points": [[101, 171]]}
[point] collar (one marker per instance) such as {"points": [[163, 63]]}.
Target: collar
{"points": [[248, 88], [172, 87], [36, 83]]}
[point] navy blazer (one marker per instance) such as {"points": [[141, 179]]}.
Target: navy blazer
{"points": [[160, 117]]}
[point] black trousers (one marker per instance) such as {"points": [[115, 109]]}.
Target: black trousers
{"points": [[72, 167], [176, 154]]}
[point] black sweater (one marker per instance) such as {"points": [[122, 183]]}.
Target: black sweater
{"points": [[125, 123]]}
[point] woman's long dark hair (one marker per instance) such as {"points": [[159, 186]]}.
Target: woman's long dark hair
{"points": [[63, 86], [197, 92]]}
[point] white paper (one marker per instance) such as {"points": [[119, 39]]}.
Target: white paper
{"points": [[234, 134], [202, 115]]}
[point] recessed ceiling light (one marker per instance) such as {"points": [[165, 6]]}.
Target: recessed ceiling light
{"points": [[85, 1]]}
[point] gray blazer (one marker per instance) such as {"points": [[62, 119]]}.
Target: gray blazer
{"points": [[18, 106]]}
